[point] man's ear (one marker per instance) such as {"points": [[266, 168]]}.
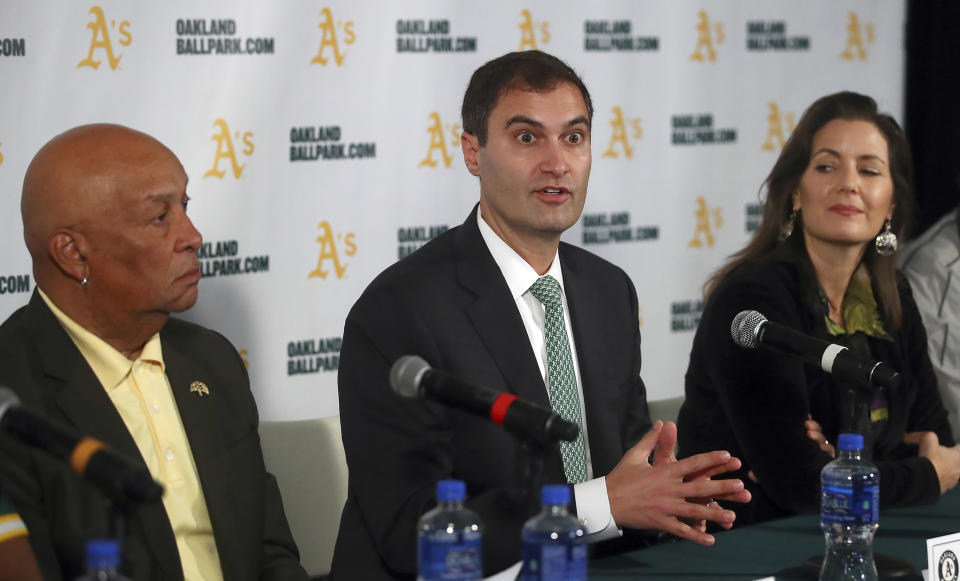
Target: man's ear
{"points": [[471, 151], [68, 251]]}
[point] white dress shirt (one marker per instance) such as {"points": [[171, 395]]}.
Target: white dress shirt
{"points": [[593, 505]]}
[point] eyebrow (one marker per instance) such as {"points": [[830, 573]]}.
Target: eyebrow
{"points": [[523, 119], [837, 154]]}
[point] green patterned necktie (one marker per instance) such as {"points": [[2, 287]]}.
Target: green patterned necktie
{"points": [[561, 380]]}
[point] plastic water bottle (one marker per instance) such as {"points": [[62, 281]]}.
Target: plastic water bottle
{"points": [[849, 513], [103, 558], [449, 538], [554, 543]]}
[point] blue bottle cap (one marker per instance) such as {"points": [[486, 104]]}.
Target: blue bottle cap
{"points": [[451, 490], [555, 494], [102, 554], [850, 442]]}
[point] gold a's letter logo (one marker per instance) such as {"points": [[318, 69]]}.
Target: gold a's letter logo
{"points": [[529, 29], [620, 136], [708, 34], [779, 125], [438, 143], [1, 155], [330, 41], [328, 251], [855, 49], [226, 150], [100, 38], [704, 228]]}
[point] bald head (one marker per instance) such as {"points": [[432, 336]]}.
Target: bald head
{"points": [[104, 218], [75, 175]]}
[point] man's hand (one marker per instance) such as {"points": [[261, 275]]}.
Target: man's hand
{"points": [[946, 461], [656, 496]]}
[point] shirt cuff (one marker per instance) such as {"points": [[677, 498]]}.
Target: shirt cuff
{"points": [[593, 510]]}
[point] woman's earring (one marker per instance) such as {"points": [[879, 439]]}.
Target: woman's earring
{"points": [[886, 242], [787, 228]]}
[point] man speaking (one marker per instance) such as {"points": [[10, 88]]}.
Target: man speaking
{"points": [[500, 302]]}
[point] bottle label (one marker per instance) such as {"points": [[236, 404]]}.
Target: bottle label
{"points": [[850, 505], [448, 558], [554, 562]]}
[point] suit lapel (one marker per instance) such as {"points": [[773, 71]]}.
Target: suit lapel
{"points": [[495, 317], [202, 424], [88, 409], [586, 318]]}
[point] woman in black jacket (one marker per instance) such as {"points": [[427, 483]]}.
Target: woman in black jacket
{"points": [[821, 262]]}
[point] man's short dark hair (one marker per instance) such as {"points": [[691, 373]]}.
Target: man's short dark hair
{"points": [[530, 70]]}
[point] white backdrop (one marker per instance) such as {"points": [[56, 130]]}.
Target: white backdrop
{"points": [[321, 140]]}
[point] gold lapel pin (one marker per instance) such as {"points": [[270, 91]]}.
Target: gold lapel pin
{"points": [[200, 388]]}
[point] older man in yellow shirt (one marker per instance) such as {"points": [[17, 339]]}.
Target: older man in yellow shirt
{"points": [[114, 253]]}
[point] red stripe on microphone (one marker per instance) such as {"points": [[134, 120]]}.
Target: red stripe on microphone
{"points": [[500, 405]]}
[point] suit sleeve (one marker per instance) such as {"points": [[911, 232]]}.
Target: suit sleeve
{"points": [[763, 396], [280, 560], [398, 448]]}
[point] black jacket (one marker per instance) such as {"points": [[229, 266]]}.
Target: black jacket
{"points": [[754, 403], [450, 304], [61, 511]]}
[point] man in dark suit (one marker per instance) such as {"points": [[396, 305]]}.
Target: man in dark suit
{"points": [[467, 303], [114, 253]]}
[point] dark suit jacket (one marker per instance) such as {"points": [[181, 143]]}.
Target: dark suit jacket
{"points": [[450, 304], [43, 366], [754, 403]]}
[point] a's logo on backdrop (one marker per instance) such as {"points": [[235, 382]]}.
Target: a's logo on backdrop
{"points": [[411, 238], [707, 220], [333, 247], [431, 36], [685, 315], [227, 148], [312, 143], [754, 215], [620, 137], [699, 130], [533, 33], [615, 35], [243, 357], [223, 258], [336, 36], [440, 133], [859, 34], [14, 283], [13, 47], [771, 35], [779, 126], [709, 34], [313, 355], [100, 39], [217, 36], [615, 227], [1, 154]]}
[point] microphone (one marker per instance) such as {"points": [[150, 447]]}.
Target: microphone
{"points": [[750, 329], [411, 376], [118, 477]]}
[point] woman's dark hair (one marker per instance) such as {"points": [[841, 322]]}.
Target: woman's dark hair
{"points": [[784, 179]]}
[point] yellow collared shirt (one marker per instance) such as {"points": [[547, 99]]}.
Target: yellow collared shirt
{"points": [[142, 395]]}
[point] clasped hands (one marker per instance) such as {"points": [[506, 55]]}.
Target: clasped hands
{"points": [[675, 496]]}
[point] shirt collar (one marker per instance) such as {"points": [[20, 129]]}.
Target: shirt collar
{"points": [[109, 365], [860, 311], [516, 271]]}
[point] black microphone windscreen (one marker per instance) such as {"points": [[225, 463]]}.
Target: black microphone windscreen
{"points": [[406, 373], [744, 329]]}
